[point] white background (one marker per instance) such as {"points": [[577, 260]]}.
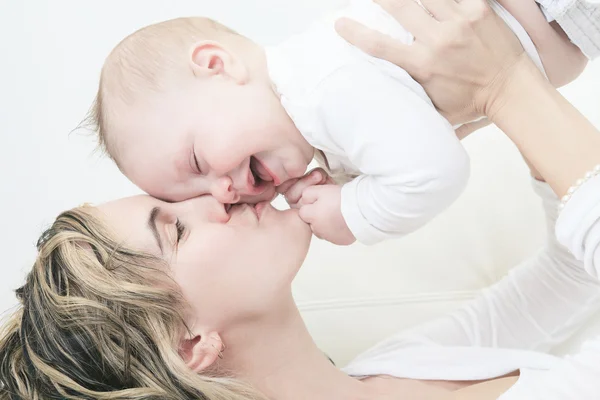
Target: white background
{"points": [[51, 53]]}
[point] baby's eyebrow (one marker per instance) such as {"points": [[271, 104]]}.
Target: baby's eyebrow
{"points": [[152, 225]]}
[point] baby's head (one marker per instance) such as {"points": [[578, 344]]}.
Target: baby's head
{"points": [[186, 107]]}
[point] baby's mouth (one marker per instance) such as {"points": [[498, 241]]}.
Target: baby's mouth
{"points": [[255, 178], [259, 175]]}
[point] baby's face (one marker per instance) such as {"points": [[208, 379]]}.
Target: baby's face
{"points": [[234, 142]]}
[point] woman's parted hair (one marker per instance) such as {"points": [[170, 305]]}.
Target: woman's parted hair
{"points": [[99, 321]]}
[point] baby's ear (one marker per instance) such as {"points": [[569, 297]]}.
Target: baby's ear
{"points": [[209, 58], [201, 351]]}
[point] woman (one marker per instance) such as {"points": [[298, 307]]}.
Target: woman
{"points": [[143, 299]]}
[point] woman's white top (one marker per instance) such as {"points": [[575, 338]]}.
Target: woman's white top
{"points": [[508, 327], [578, 226]]}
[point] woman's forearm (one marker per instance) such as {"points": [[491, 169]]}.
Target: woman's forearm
{"points": [[558, 141], [489, 390]]}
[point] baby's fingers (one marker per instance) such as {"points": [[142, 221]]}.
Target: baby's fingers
{"points": [[308, 213], [294, 193], [285, 186]]}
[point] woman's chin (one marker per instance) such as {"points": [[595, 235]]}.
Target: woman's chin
{"points": [[303, 229], [293, 223]]}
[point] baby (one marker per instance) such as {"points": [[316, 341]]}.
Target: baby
{"points": [[189, 107]]}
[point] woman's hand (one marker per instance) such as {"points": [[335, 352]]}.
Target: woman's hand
{"points": [[461, 55]]}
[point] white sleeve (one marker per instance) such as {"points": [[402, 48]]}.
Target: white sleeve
{"points": [[578, 226], [578, 377], [412, 165], [538, 305]]}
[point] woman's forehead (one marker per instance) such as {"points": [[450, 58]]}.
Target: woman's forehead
{"points": [[127, 218], [127, 208]]}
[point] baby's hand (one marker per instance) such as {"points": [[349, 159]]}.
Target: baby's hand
{"points": [[321, 208], [292, 190]]}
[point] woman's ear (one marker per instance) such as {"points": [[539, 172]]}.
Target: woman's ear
{"points": [[209, 58], [201, 351]]}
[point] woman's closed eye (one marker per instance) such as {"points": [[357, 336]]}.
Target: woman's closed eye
{"points": [[180, 230]]}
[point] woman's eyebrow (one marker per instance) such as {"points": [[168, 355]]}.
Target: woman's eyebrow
{"points": [[152, 225]]}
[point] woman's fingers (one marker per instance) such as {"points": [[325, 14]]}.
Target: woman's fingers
{"points": [[376, 43], [441, 9], [457, 61], [411, 16], [474, 7]]}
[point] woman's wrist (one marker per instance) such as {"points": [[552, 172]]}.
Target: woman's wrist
{"points": [[558, 141], [514, 85]]}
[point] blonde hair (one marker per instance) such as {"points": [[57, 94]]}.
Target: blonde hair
{"points": [[99, 321], [145, 62]]}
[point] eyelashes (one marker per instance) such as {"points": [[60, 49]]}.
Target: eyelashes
{"points": [[180, 229], [197, 164]]}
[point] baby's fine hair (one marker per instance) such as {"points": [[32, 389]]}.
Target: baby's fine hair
{"points": [[145, 62]]}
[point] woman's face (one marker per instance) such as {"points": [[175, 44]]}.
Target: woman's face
{"points": [[230, 263]]}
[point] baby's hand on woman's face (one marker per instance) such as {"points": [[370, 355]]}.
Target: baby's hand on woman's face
{"points": [[320, 207], [292, 190]]}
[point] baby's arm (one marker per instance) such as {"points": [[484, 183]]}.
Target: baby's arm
{"points": [[412, 164], [563, 61]]}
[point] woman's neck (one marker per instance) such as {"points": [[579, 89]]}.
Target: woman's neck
{"points": [[278, 357]]}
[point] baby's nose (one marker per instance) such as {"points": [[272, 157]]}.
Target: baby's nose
{"points": [[224, 192]]}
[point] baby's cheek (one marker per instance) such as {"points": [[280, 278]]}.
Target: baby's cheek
{"points": [[297, 170]]}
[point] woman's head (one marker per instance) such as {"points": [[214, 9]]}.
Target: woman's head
{"points": [[107, 313], [231, 263]]}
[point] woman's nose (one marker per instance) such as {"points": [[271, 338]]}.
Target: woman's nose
{"points": [[224, 192], [203, 209]]}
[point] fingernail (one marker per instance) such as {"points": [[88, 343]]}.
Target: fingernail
{"points": [[317, 176]]}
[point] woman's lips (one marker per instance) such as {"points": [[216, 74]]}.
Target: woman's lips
{"points": [[257, 210], [260, 208]]}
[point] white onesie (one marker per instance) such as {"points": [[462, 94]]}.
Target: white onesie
{"points": [[580, 19], [373, 121]]}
